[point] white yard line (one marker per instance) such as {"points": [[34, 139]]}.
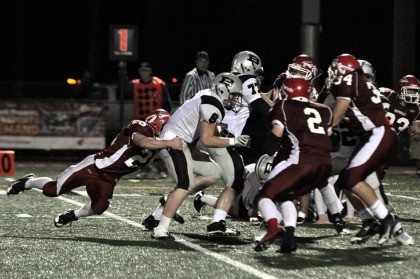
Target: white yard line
{"points": [[404, 197], [249, 269]]}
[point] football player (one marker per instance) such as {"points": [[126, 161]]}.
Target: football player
{"points": [[134, 147], [307, 125], [359, 101], [197, 118]]}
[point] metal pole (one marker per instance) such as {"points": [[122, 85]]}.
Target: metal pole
{"points": [[122, 74]]}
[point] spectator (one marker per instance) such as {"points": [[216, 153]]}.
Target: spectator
{"points": [[150, 93], [197, 79]]}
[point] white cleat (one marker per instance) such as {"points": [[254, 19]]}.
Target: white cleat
{"points": [[404, 238]]}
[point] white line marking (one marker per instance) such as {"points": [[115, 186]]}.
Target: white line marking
{"points": [[404, 197], [2, 192], [239, 265], [23, 215], [84, 193]]}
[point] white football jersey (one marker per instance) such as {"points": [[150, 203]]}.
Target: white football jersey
{"points": [[250, 93], [184, 122]]}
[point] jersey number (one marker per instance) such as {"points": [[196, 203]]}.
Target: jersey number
{"points": [[402, 122], [137, 160], [314, 121]]}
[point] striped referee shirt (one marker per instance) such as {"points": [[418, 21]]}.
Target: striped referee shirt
{"points": [[194, 82]]}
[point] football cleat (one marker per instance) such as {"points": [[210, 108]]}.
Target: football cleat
{"points": [[339, 224], [404, 238], [162, 233], [386, 226], [269, 237], [261, 232], [150, 223], [220, 228], [163, 174], [18, 186], [300, 218], [198, 204], [289, 244], [66, 218], [370, 227]]}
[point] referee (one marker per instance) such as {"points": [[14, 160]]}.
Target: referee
{"points": [[198, 78]]}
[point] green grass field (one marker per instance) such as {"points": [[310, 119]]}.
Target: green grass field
{"points": [[114, 245]]}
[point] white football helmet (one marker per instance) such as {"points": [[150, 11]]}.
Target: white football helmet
{"points": [[264, 166], [368, 70], [247, 62], [229, 88]]}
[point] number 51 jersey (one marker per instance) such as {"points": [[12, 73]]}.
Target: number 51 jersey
{"points": [[307, 125]]}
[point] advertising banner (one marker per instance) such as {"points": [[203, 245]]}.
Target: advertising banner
{"points": [[51, 125]]}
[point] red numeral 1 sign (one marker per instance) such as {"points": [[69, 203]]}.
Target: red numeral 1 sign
{"points": [[123, 42]]}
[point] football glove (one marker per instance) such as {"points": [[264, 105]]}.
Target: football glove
{"points": [[243, 141]]}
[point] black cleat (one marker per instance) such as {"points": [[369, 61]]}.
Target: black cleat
{"points": [[18, 186], [289, 243], [220, 228], [198, 204], [150, 223], [370, 227], [66, 218], [386, 227], [339, 224]]}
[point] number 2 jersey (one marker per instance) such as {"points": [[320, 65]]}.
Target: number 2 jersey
{"points": [[124, 156], [306, 124]]}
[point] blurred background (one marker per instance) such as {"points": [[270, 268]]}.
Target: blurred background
{"points": [[51, 48]]}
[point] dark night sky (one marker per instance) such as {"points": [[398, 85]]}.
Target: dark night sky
{"points": [[52, 40]]}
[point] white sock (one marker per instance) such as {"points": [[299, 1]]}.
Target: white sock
{"points": [[350, 209], [289, 214], [165, 222], [267, 209], [319, 202], [330, 198], [219, 215], [157, 214], [209, 200], [37, 183], [84, 211], [379, 208]]}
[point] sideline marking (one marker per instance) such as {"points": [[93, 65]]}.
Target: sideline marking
{"points": [[236, 264]]}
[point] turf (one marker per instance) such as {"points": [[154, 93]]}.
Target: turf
{"points": [[114, 245]]}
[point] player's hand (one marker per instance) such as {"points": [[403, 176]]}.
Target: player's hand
{"points": [[176, 143], [243, 141]]}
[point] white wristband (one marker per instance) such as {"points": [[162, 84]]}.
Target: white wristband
{"points": [[231, 141]]}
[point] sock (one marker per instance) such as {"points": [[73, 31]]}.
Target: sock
{"points": [[350, 209], [272, 224], [209, 200], [157, 214], [219, 215], [319, 202], [379, 208], [37, 183], [84, 211], [165, 222], [289, 214], [267, 209], [330, 199]]}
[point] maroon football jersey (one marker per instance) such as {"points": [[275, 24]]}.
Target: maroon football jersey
{"points": [[401, 116], [306, 124], [365, 111], [123, 156]]}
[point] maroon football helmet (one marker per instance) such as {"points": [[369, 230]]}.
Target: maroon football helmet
{"points": [[157, 120], [297, 88], [344, 64], [409, 89], [303, 66]]}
